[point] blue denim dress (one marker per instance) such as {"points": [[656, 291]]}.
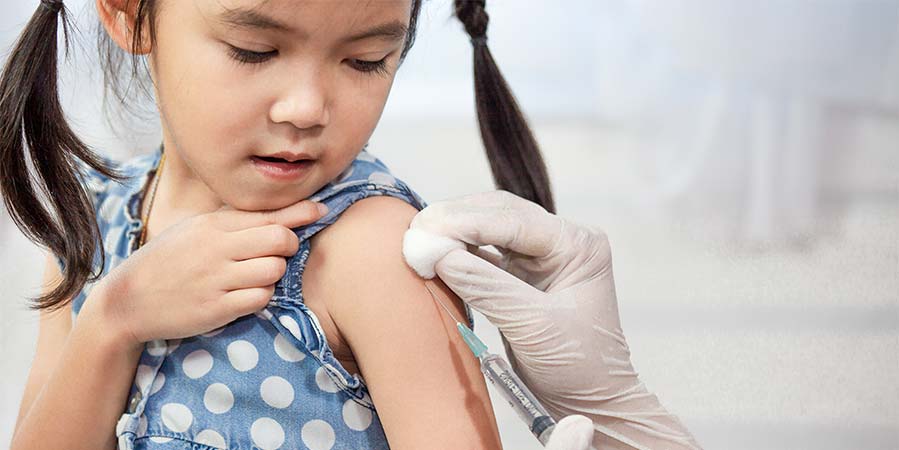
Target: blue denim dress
{"points": [[264, 381]]}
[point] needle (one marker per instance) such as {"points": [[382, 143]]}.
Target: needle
{"points": [[434, 296]]}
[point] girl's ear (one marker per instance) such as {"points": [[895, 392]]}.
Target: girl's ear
{"points": [[119, 17]]}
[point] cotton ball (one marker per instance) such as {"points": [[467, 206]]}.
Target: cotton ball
{"points": [[422, 250]]}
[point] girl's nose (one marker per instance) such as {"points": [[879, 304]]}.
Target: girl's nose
{"points": [[302, 103]]}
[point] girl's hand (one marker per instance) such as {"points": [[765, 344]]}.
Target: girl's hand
{"points": [[202, 273]]}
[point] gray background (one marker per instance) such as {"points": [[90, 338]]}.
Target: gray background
{"points": [[741, 156]]}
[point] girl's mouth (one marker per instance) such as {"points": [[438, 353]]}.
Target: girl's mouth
{"points": [[282, 169]]}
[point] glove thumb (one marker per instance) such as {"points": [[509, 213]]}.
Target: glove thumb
{"points": [[573, 432]]}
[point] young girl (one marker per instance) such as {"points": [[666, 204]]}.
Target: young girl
{"points": [[200, 274]]}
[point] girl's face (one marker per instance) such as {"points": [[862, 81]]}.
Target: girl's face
{"points": [[242, 78]]}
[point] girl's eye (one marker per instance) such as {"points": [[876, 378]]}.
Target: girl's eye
{"points": [[371, 67], [244, 56], [250, 57]]}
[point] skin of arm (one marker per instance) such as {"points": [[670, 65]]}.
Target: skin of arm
{"points": [[424, 381], [79, 380]]}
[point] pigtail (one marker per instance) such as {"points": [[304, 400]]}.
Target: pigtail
{"points": [[515, 158], [31, 116]]}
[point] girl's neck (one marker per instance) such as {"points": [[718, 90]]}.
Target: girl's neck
{"points": [[180, 189], [179, 195]]}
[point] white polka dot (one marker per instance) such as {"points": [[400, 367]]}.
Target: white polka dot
{"points": [[291, 325], [110, 207], [286, 350], [210, 437], [143, 377], [318, 435], [218, 398], [95, 184], [277, 392], [365, 155], [156, 347], [157, 383], [382, 178], [112, 236], [142, 426], [214, 332], [356, 416], [120, 425], [160, 439], [267, 434], [172, 346], [325, 382], [176, 417], [197, 363], [243, 355]]}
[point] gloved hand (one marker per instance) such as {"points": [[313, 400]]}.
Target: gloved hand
{"points": [[572, 433], [551, 293]]}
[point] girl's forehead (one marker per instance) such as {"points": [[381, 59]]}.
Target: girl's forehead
{"points": [[303, 18]]}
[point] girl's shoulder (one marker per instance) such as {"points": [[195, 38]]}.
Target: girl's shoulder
{"points": [[368, 210], [376, 314]]}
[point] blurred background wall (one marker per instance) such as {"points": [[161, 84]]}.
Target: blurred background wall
{"points": [[743, 158]]}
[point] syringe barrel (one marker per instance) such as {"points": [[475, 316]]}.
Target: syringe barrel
{"points": [[517, 394]]}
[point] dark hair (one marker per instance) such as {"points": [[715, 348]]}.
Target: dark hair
{"points": [[515, 158], [30, 114], [31, 117]]}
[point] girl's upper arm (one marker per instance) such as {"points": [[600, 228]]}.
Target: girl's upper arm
{"points": [[53, 330], [424, 381]]}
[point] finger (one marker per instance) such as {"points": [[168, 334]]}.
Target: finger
{"points": [[267, 240], [490, 290], [292, 216], [573, 432], [492, 256], [497, 218], [240, 302], [256, 272]]}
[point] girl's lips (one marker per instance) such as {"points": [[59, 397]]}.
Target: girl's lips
{"points": [[282, 170]]}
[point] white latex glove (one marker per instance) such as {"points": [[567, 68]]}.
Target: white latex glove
{"points": [[551, 294], [571, 433]]}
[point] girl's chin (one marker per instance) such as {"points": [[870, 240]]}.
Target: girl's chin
{"points": [[268, 199]]}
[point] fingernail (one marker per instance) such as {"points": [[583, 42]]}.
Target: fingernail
{"points": [[322, 208]]}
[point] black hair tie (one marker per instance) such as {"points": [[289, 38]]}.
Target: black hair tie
{"points": [[52, 5], [480, 40]]}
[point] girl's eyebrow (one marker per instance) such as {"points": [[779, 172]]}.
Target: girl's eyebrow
{"points": [[247, 18]]}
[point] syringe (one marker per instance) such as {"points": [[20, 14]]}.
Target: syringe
{"points": [[512, 389]]}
